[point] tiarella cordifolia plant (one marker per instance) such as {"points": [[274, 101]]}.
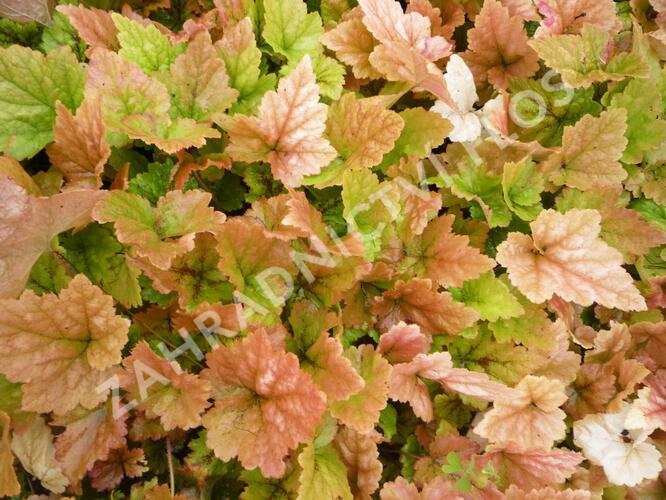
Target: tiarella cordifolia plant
{"points": [[334, 249]]}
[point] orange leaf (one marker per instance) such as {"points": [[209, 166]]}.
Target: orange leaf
{"points": [[61, 348], [265, 405]]}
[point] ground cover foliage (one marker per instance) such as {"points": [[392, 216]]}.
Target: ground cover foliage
{"points": [[333, 249]]}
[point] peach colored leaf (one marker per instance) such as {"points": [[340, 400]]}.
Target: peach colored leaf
{"points": [[648, 411], [80, 149], [591, 150], [272, 212], [95, 26], [9, 485], [362, 132], [89, 436], [568, 16], [525, 9], [443, 256], [162, 389], [122, 462], [353, 43], [60, 347], [164, 232], [402, 342], [515, 493], [388, 23], [33, 446], [361, 410], [360, 456], [497, 47], [399, 489], [565, 256], [406, 386], [198, 82], [474, 384], [28, 224], [288, 133], [265, 405], [162, 492], [195, 276], [417, 301], [534, 409], [532, 468], [330, 370]]}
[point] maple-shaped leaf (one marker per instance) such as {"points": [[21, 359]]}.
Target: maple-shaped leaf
{"points": [[515, 493], [265, 405], [532, 468], [323, 475], [353, 44], [361, 410], [443, 256], [331, 370], [290, 30], [80, 149], [591, 151], [645, 132], [569, 16], [89, 436], [288, 133], [33, 446], [565, 256], [30, 86], [195, 276], [242, 59], [60, 347], [95, 26], [107, 474], [198, 82], [622, 228], [9, 485], [145, 45], [258, 265], [497, 47], [177, 397], [584, 59], [402, 342], [534, 409], [159, 233], [408, 49], [417, 301], [362, 132], [361, 458], [30, 223]]}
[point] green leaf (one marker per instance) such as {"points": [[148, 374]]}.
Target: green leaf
{"points": [[522, 185], [145, 46], [330, 75], [453, 464], [645, 132], [47, 275], [582, 59], [13, 33], [291, 31], [30, 85], [60, 33], [563, 107], [651, 212], [154, 183], [323, 475], [423, 131], [95, 252], [491, 298], [388, 421]]}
